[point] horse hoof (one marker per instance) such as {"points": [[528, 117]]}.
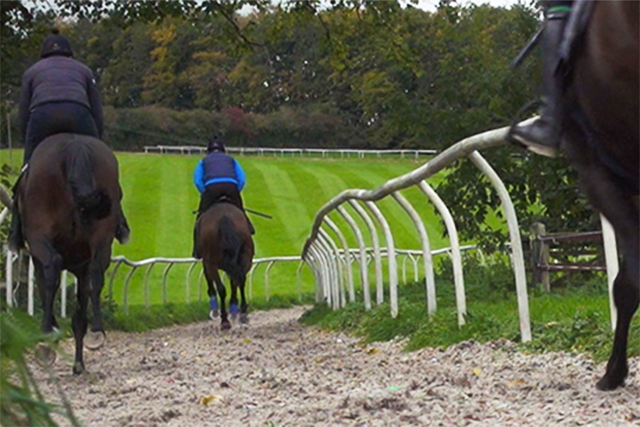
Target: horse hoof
{"points": [[234, 317], [93, 340], [610, 382], [78, 368], [244, 319], [225, 326], [46, 355], [214, 314]]}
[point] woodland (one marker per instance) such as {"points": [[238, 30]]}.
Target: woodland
{"points": [[345, 73]]}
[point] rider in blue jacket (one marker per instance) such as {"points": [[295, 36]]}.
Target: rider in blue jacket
{"points": [[218, 176]]}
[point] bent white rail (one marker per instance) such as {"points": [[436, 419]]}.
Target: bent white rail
{"points": [[464, 148]]}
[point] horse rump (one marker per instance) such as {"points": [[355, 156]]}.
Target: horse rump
{"points": [[92, 202], [231, 244]]}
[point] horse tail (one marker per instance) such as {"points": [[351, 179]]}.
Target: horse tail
{"points": [[93, 203], [231, 246]]}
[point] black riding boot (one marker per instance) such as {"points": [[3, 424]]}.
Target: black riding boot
{"points": [[251, 227], [543, 135], [16, 240], [122, 230], [194, 252]]}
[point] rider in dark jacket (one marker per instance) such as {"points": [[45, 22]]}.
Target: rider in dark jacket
{"points": [[218, 176], [58, 95], [543, 135]]}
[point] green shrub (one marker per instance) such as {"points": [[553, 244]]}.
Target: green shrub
{"points": [[21, 403]]}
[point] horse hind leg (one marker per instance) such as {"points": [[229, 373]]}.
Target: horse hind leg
{"points": [[47, 277], [48, 265], [233, 301], [619, 207], [80, 320], [626, 296], [96, 337], [222, 294], [214, 307], [244, 317]]}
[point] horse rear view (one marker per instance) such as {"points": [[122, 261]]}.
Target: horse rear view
{"points": [[69, 201], [225, 243]]}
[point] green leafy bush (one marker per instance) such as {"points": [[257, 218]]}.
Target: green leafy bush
{"points": [[21, 402]]}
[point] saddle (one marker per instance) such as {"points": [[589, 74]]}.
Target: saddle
{"points": [[223, 199]]}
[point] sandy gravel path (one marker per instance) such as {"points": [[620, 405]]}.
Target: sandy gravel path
{"points": [[275, 372]]}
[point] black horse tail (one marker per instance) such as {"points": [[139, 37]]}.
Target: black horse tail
{"points": [[92, 203], [231, 246]]}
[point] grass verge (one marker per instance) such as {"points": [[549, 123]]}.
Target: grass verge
{"points": [[574, 320]]}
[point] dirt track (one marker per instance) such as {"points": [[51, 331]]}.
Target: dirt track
{"points": [[275, 372]]}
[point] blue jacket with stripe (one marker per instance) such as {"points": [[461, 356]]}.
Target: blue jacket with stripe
{"points": [[216, 168]]}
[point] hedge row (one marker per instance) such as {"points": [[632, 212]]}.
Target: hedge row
{"points": [[133, 129]]}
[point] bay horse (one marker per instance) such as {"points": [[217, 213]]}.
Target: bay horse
{"points": [[69, 202], [223, 239], [602, 139]]}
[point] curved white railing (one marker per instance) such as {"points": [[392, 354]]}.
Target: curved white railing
{"points": [[468, 147], [320, 252]]}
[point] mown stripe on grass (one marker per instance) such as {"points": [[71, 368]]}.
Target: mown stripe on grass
{"points": [[369, 176], [174, 188], [141, 202], [268, 239], [406, 235], [291, 212]]}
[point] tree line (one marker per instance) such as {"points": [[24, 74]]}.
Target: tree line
{"points": [[341, 77], [356, 73]]}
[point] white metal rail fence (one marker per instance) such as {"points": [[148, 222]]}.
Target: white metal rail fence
{"points": [[334, 277], [193, 276], [291, 152], [193, 280]]}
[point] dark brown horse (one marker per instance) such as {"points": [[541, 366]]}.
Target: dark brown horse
{"points": [[224, 242], [69, 201], [602, 139]]}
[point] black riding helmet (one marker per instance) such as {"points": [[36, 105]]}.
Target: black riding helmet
{"points": [[216, 144], [55, 44]]}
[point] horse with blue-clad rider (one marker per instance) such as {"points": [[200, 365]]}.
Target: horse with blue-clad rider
{"points": [[219, 178]]}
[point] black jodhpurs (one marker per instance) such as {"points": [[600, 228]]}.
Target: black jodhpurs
{"points": [[213, 193], [57, 117]]}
